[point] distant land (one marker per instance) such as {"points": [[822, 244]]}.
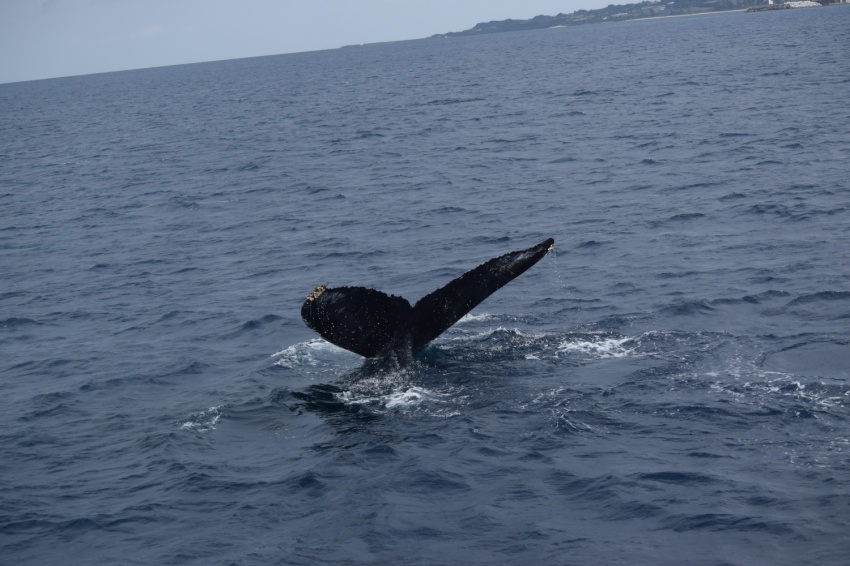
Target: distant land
{"points": [[613, 13]]}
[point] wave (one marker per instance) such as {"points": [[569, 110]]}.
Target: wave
{"points": [[202, 421], [18, 322]]}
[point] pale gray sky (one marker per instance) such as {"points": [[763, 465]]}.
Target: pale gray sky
{"points": [[55, 38]]}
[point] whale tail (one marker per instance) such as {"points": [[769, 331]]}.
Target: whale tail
{"points": [[374, 324]]}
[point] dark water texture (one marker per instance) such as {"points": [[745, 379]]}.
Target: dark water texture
{"points": [[672, 387]]}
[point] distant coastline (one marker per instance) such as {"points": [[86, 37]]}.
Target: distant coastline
{"points": [[618, 13]]}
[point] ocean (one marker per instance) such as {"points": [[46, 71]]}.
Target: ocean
{"points": [[670, 385]]}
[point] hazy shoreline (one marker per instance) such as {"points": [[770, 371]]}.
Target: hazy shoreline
{"points": [[612, 13]]}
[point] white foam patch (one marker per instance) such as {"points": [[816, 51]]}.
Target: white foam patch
{"points": [[411, 399], [483, 317], [203, 421], [471, 336], [309, 353], [602, 348]]}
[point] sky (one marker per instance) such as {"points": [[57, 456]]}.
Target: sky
{"points": [[56, 38]]}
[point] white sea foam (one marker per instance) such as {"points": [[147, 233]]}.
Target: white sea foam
{"points": [[404, 399], [203, 421], [470, 336], [412, 397], [602, 348], [308, 353], [482, 317], [768, 384]]}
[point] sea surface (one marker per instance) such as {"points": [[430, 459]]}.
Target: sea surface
{"points": [[670, 386]]}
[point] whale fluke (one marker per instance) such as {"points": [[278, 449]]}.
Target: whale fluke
{"points": [[374, 324]]}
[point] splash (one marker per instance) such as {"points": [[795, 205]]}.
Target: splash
{"points": [[601, 348], [310, 353]]}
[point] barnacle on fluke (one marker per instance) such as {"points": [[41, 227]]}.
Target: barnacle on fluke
{"points": [[317, 292]]}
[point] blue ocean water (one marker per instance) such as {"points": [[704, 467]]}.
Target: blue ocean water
{"points": [[671, 386]]}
